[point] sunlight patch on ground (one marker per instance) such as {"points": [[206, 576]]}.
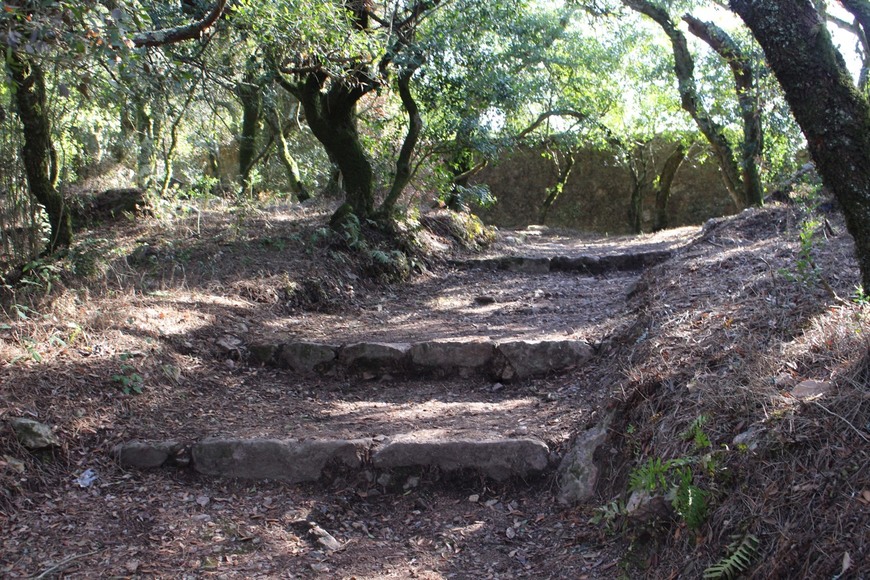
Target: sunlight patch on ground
{"points": [[423, 412]]}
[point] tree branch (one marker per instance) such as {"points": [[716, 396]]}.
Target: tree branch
{"points": [[179, 33]]}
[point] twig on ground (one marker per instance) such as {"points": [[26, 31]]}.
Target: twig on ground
{"points": [[62, 564], [844, 420]]}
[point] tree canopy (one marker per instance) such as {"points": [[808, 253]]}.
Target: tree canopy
{"points": [[379, 99]]}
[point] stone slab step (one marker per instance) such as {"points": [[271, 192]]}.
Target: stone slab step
{"points": [[296, 461], [585, 264], [498, 360]]}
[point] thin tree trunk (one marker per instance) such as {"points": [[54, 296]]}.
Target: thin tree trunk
{"points": [[744, 85], [287, 160], [834, 116], [29, 86], [684, 67], [415, 126], [169, 152], [663, 186], [555, 191]]}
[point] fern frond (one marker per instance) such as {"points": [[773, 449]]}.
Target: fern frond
{"points": [[741, 552]]}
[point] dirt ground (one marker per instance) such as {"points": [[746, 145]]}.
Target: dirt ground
{"points": [[174, 299]]}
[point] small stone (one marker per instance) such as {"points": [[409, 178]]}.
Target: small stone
{"points": [[484, 300], [412, 482], [34, 435], [385, 479], [203, 500], [810, 388], [473, 498]]}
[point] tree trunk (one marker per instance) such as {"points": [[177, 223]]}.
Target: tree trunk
{"points": [[684, 67], [555, 191], [331, 116], [415, 127], [663, 186], [744, 85], [29, 86], [834, 116], [250, 94]]}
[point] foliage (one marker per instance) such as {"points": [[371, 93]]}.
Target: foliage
{"points": [[128, 379], [676, 479], [741, 553]]}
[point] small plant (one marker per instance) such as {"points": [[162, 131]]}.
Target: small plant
{"points": [[741, 553], [690, 501], [696, 434], [128, 379], [860, 297], [651, 476], [608, 513]]}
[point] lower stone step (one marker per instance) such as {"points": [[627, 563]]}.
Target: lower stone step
{"points": [[297, 461], [498, 360]]}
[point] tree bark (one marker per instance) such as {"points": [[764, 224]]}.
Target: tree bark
{"points": [[684, 67], [331, 117], [29, 85], [833, 115], [250, 94]]}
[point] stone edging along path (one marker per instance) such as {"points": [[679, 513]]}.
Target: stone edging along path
{"points": [[297, 461], [498, 360]]}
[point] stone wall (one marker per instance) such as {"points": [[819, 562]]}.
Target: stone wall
{"points": [[597, 195]]}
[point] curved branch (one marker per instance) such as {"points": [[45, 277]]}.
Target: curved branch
{"points": [[180, 33], [744, 84]]}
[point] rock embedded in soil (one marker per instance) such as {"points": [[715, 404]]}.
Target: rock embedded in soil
{"points": [[143, 455], [499, 459], [306, 357], [450, 358], [33, 435], [374, 356], [284, 460], [578, 473], [535, 358]]}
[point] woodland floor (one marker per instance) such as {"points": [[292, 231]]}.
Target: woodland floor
{"points": [[175, 300]]}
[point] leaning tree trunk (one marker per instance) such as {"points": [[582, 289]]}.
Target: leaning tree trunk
{"points": [[29, 86], [833, 115], [684, 68], [415, 127], [744, 85]]}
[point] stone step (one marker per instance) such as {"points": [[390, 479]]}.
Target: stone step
{"points": [[499, 360], [307, 460], [585, 264]]}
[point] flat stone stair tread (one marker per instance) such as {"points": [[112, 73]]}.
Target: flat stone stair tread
{"points": [[499, 360], [305, 460]]}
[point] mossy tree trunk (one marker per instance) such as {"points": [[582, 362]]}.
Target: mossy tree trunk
{"points": [[833, 115], [415, 127], [663, 184], [331, 116], [250, 93], [29, 86]]}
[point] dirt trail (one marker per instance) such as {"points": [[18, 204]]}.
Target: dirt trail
{"points": [[189, 346]]}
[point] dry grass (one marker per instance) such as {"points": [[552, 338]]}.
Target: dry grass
{"points": [[724, 334]]}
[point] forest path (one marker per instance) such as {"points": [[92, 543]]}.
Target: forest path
{"points": [[478, 352], [335, 471]]}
